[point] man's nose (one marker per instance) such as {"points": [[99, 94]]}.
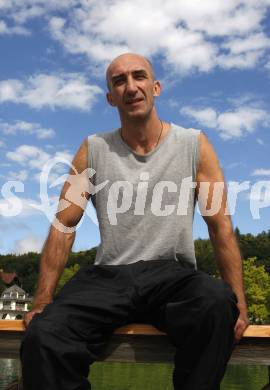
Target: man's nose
{"points": [[131, 86]]}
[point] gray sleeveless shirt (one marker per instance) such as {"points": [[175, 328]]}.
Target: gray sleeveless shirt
{"points": [[146, 206]]}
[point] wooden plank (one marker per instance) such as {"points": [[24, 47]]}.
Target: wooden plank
{"points": [[139, 329], [257, 331], [140, 347], [131, 348], [10, 344], [252, 351], [12, 325], [144, 329], [158, 349], [145, 344]]}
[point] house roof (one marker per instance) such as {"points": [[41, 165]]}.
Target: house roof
{"points": [[8, 277], [14, 288]]}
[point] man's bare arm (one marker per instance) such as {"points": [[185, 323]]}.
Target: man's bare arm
{"points": [[221, 231], [59, 241]]}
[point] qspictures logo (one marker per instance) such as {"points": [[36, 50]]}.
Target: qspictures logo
{"points": [[123, 196]]}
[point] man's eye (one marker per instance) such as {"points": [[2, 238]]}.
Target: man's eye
{"points": [[118, 81]]}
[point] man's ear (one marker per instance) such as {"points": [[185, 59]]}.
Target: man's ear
{"points": [[157, 88], [110, 99]]}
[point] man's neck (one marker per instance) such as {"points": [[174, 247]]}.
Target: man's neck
{"points": [[144, 135]]}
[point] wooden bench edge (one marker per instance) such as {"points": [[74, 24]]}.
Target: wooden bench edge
{"points": [[138, 329]]}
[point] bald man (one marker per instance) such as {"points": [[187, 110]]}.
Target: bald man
{"points": [[144, 181]]}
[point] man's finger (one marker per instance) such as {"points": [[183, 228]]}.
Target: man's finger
{"points": [[239, 331], [237, 337], [29, 316]]}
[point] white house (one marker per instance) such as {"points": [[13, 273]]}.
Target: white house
{"points": [[14, 303]]}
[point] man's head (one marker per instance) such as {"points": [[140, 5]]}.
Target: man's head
{"points": [[132, 85]]}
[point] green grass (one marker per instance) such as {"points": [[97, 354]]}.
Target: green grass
{"points": [[141, 376]]}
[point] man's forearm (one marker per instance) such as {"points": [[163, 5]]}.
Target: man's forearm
{"points": [[53, 259], [229, 261]]}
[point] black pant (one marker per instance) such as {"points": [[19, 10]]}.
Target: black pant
{"points": [[197, 311]]}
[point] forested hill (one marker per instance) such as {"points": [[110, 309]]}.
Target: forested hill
{"points": [[26, 266], [251, 246]]}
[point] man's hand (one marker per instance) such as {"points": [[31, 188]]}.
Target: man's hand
{"points": [[36, 310], [241, 325]]}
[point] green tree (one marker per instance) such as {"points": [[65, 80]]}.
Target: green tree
{"points": [[237, 233], [66, 275], [205, 256], [257, 288]]}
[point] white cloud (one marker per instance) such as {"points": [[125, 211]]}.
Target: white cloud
{"points": [[240, 61], [206, 116], [66, 90], [261, 172], [183, 32], [223, 18], [7, 30], [21, 11], [59, 168], [10, 90], [255, 42], [33, 156], [79, 43], [244, 52], [30, 243], [231, 124], [21, 175], [14, 205], [267, 66], [2, 144], [246, 99], [238, 123], [260, 141], [65, 155], [105, 30], [27, 128], [33, 159]]}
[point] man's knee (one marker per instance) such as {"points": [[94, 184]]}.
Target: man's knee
{"points": [[222, 291], [218, 296], [35, 335], [43, 335]]}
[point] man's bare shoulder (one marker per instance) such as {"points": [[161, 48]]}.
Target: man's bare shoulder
{"points": [[80, 160], [209, 166]]}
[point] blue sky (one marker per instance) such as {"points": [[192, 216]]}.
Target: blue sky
{"points": [[212, 58]]}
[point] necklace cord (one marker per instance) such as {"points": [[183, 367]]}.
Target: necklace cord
{"points": [[160, 133]]}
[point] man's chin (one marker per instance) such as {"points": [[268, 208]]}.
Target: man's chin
{"points": [[137, 114]]}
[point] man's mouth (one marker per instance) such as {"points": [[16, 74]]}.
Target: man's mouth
{"points": [[134, 101]]}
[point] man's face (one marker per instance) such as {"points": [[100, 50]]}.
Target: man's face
{"points": [[132, 86]]}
